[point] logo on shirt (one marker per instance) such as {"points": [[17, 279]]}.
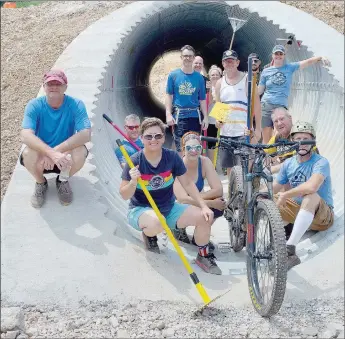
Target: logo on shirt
{"points": [[298, 179], [157, 182], [186, 88], [278, 78]]}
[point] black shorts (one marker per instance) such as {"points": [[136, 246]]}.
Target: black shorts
{"points": [[54, 170], [212, 132], [229, 159]]}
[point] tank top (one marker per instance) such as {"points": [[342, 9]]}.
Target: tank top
{"points": [[212, 120], [200, 182], [236, 96]]}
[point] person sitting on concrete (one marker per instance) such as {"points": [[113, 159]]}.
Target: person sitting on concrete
{"points": [[309, 202], [282, 122], [54, 126], [158, 167], [132, 126], [199, 168]]}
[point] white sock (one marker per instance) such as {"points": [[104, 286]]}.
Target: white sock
{"points": [[302, 223]]}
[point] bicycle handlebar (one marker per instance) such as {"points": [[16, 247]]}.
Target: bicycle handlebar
{"points": [[257, 146]]}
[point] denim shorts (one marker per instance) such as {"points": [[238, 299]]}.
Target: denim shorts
{"points": [[171, 219], [183, 126]]}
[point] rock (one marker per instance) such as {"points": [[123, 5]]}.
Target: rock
{"points": [[335, 326], [341, 335], [11, 334], [310, 331], [124, 318], [113, 321], [22, 336], [168, 333], [12, 318], [160, 325], [142, 308], [328, 333], [32, 332], [121, 333]]}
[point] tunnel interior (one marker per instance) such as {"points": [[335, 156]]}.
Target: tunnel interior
{"points": [[205, 25]]}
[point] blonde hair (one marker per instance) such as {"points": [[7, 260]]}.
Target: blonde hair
{"points": [[215, 67]]}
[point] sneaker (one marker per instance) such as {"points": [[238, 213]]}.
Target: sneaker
{"points": [[64, 191], [39, 196], [293, 259], [151, 243], [211, 246], [208, 264], [181, 235]]}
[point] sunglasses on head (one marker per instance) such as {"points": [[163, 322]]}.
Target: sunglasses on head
{"points": [[132, 127], [157, 136], [197, 148]]}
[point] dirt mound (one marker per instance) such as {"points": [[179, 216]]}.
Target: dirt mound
{"points": [[32, 39]]}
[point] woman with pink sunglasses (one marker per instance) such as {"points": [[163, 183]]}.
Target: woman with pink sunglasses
{"points": [[199, 168]]}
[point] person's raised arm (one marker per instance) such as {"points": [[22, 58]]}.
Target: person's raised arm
{"points": [[312, 61]]}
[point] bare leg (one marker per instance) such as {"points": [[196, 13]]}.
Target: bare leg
{"points": [[266, 134], [32, 159], [150, 223], [78, 159]]}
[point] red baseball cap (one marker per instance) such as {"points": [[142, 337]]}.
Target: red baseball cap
{"points": [[55, 74]]}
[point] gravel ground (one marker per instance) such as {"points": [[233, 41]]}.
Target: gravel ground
{"points": [[144, 319]]}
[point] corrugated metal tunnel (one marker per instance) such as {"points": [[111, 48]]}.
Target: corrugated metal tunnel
{"points": [[316, 96]]}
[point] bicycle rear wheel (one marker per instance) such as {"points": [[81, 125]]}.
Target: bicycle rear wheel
{"points": [[267, 266], [235, 213]]}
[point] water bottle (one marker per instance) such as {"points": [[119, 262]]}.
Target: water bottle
{"points": [[64, 174]]}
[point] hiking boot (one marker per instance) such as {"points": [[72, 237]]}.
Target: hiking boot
{"points": [[208, 264], [64, 191], [151, 243], [39, 196], [181, 235], [288, 230], [211, 246], [293, 259]]}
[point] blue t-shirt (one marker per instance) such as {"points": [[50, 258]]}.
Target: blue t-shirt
{"points": [[187, 90], [278, 83], [158, 180], [296, 173], [54, 126], [129, 148]]}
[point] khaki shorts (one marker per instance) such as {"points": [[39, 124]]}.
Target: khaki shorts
{"points": [[323, 219]]}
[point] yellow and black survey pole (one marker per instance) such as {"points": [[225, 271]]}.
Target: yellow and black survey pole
{"points": [[206, 299]]}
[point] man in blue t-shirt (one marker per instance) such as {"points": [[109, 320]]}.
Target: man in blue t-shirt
{"points": [[158, 167], [132, 126], [185, 104], [55, 130], [309, 202]]}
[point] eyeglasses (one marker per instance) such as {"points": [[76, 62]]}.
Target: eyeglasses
{"points": [[187, 56], [157, 136], [132, 127], [196, 148], [278, 53]]}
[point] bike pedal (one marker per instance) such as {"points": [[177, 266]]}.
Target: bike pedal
{"points": [[224, 247]]}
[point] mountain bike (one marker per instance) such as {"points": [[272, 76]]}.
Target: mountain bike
{"points": [[255, 222]]}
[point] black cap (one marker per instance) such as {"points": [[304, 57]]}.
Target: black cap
{"points": [[254, 56], [230, 55]]}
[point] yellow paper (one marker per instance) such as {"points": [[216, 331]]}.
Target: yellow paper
{"points": [[220, 111]]}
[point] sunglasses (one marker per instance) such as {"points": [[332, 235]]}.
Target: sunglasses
{"points": [[197, 148], [256, 61], [157, 136], [278, 53], [132, 127]]}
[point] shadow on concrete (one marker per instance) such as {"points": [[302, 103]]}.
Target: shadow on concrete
{"points": [[81, 224]]}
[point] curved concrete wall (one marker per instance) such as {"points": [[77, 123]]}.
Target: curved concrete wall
{"points": [[132, 38]]}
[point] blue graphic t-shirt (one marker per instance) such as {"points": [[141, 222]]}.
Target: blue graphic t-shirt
{"points": [[54, 126], [129, 148], [187, 90], [158, 180], [278, 83], [296, 173]]}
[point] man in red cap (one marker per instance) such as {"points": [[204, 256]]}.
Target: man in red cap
{"points": [[55, 130]]}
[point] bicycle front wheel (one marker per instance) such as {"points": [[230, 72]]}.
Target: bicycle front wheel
{"points": [[267, 265]]}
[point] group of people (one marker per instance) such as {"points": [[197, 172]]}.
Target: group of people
{"points": [[56, 126]]}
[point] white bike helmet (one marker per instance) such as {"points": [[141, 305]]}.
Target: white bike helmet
{"points": [[303, 127]]}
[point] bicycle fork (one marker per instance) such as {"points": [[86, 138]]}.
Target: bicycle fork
{"points": [[250, 215]]}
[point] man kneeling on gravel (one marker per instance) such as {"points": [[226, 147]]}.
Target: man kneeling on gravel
{"points": [[309, 202], [158, 167], [55, 130]]}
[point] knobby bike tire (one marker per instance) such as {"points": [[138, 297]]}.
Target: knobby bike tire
{"points": [[279, 265], [237, 241]]}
